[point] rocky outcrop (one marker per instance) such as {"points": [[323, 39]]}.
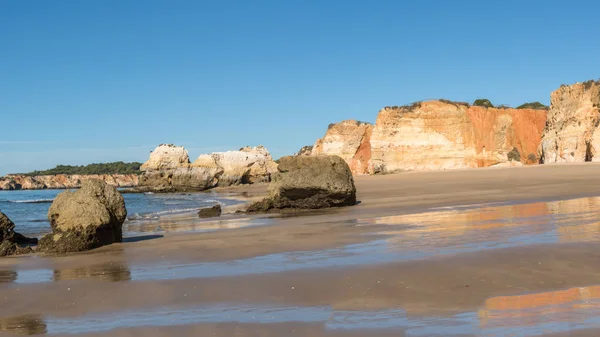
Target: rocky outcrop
{"points": [[436, 135], [88, 218], [62, 181], [169, 169], [304, 182], [305, 151], [350, 140], [572, 133], [11, 242]]}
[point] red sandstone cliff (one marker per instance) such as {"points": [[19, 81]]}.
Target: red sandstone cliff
{"points": [[436, 135]]}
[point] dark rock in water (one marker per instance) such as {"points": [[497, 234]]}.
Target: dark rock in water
{"points": [[88, 218], [309, 182], [210, 212], [11, 242]]}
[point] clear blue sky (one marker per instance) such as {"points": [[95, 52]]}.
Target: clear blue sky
{"points": [[105, 80]]}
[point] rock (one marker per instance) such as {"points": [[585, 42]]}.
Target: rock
{"points": [[11, 242], [309, 183], [167, 156], [305, 151], [173, 172], [88, 218], [435, 135], [210, 212], [572, 133], [350, 140]]}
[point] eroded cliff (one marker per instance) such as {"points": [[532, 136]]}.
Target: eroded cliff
{"points": [[571, 133], [350, 140], [437, 135]]}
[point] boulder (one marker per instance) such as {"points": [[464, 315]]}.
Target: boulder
{"points": [[210, 212], [309, 182], [85, 219], [11, 242]]}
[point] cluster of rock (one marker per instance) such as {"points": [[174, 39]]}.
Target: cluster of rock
{"points": [[169, 169], [572, 133], [309, 182], [62, 181]]}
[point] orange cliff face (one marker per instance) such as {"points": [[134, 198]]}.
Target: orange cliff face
{"points": [[350, 140], [436, 135]]}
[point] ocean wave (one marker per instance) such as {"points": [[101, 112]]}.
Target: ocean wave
{"points": [[156, 215], [30, 201]]}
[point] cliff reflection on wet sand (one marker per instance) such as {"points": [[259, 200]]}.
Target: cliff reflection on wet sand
{"points": [[567, 305], [24, 325], [187, 224], [111, 272], [544, 222], [8, 276]]}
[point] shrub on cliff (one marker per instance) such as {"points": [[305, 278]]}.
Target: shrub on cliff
{"points": [[483, 102], [118, 167], [533, 105], [514, 155]]}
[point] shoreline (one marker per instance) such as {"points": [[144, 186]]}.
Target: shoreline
{"points": [[353, 259]]}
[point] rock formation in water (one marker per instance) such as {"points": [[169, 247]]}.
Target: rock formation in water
{"points": [[210, 212], [11, 242], [350, 140], [62, 181], [309, 182], [169, 169], [436, 135], [88, 218], [572, 133]]}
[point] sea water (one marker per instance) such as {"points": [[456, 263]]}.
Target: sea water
{"points": [[28, 209]]}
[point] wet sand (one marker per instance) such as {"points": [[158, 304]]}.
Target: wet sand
{"points": [[487, 252]]}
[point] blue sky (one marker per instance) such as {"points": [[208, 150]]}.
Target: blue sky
{"points": [[97, 81]]}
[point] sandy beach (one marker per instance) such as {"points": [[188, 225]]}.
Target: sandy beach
{"points": [[482, 252]]}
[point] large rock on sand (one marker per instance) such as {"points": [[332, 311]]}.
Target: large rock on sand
{"points": [[85, 219], [309, 182], [11, 242]]}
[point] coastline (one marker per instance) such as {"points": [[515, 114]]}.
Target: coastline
{"points": [[352, 259]]}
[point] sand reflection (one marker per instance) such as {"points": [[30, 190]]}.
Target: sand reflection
{"points": [[568, 305], [24, 325], [193, 225], [111, 272], [510, 225]]}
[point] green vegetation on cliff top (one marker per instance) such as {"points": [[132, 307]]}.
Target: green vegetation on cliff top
{"points": [[533, 105], [118, 167]]}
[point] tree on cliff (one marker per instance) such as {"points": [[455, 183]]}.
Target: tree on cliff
{"points": [[484, 102], [118, 167], [533, 105]]}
